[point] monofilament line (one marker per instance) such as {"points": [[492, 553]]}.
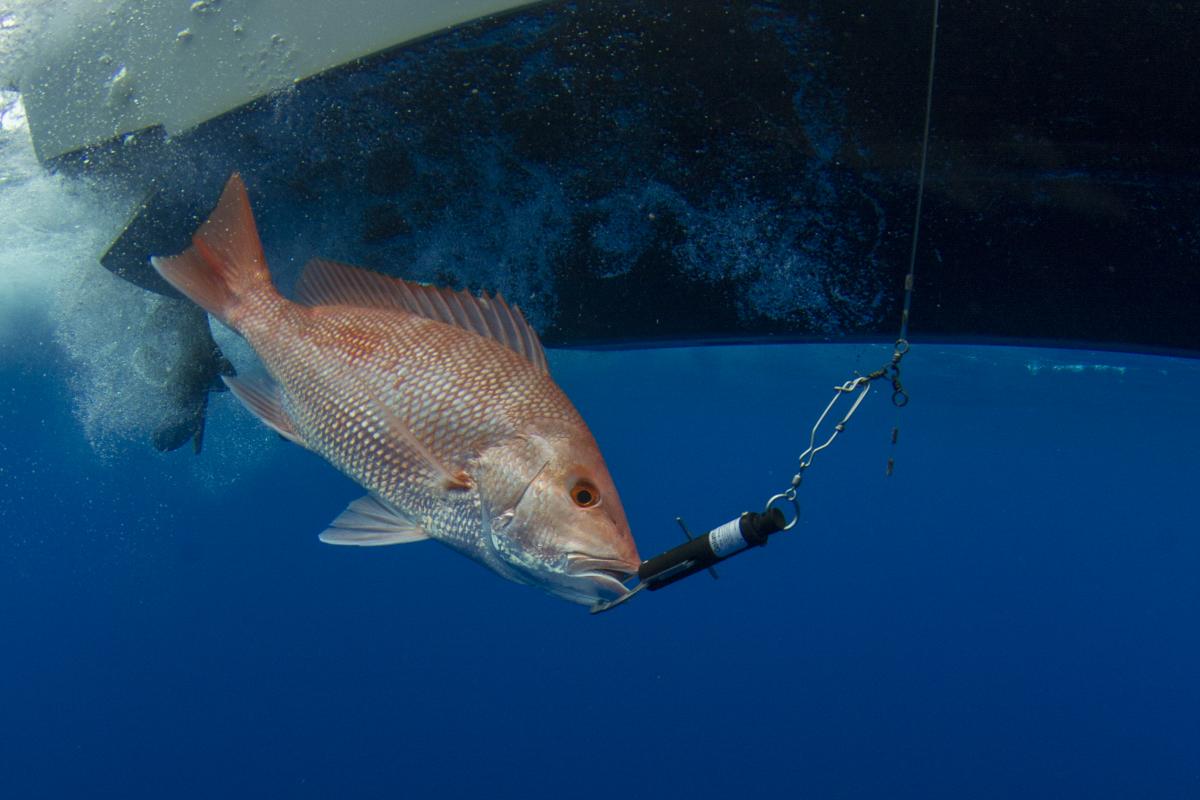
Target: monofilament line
{"points": [[912, 258]]}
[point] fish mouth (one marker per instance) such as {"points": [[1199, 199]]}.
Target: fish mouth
{"points": [[608, 574]]}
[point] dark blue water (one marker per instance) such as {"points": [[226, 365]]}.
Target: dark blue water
{"points": [[1016, 612]]}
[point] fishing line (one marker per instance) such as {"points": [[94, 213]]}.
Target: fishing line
{"points": [[912, 255], [909, 279], [751, 529]]}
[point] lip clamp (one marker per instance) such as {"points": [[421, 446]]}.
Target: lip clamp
{"points": [[748, 530]]}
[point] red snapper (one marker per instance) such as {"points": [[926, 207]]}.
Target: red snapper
{"points": [[438, 403]]}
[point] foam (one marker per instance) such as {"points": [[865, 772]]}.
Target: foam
{"points": [[50, 276], [23, 26], [114, 338], [52, 227]]}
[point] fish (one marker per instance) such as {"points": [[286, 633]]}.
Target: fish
{"points": [[438, 403]]}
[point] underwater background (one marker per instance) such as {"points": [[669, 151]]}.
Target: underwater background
{"points": [[1014, 611]]}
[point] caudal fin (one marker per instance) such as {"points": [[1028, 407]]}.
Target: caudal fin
{"points": [[225, 263]]}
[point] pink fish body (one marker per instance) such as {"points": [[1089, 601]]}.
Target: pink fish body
{"points": [[438, 403]]}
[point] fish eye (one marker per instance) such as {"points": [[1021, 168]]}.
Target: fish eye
{"points": [[585, 494]]}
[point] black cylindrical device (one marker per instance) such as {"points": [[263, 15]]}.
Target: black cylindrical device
{"points": [[751, 529]]}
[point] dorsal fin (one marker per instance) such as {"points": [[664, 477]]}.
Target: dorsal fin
{"points": [[326, 282]]}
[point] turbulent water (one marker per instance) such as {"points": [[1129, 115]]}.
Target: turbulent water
{"points": [[59, 309]]}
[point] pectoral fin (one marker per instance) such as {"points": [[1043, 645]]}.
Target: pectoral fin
{"points": [[368, 522], [414, 448], [261, 396]]}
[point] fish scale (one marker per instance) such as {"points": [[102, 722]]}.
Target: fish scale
{"points": [[456, 406], [436, 402]]}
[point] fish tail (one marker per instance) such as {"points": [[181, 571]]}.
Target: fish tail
{"points": [[225, 266]]}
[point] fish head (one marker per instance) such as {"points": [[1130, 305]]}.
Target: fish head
{"points": [[556, 521]]}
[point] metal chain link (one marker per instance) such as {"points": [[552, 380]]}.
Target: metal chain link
{"points": [[891, 371]]}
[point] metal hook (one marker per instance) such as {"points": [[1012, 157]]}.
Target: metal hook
{"points": [[605, 605]]}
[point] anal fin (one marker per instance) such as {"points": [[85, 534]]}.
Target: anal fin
{"points": [[368, 522]]}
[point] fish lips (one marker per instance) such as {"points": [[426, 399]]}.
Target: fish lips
{"points": [[575, 576], [606, 576]]}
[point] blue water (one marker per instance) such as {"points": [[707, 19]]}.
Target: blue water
{"points": [[1015, 612]]}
